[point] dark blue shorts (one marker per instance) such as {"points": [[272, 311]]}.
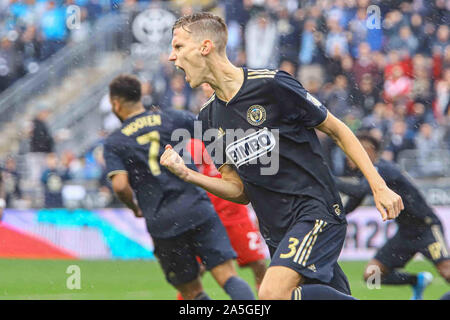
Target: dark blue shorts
{"points": [[312, 249], [178, 255], [402, 247]]}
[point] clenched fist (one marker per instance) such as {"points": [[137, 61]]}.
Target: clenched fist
{"points": [[172, 161], [388, 203]]}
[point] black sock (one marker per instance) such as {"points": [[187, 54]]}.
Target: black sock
{"points": [[202, 296], [238, 289], [318, 292], [398, 278]]}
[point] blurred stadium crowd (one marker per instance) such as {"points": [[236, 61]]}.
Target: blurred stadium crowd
{"points": [[388, 74]]}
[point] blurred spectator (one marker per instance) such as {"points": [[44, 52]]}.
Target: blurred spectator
{"points": [[398, 86], [337, 101], [9, 63], [359, 31], [41, 143], [105, 192], [110, 120], [421, 88], [442, 92], [336, 43], [367, 96], [394, 59], [53, 28], [380, 118], [405, 41], [147, 95], [364, 64], [418, 116], [41, 139], [261, 39], [310, 44], [442, 40], [288, 31], [53, 180], [178, 93], [428, 141], [30, 48], [11, 182], [399, 141]]}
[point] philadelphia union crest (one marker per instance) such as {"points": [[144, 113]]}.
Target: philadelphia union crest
{"points": [[256, 115]]}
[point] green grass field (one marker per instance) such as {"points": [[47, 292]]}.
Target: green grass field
{"points": [[46, 279]]}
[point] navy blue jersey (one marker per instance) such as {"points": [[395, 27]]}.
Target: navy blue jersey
{"points": [[416, 213], [170, 205], [276, 116]]}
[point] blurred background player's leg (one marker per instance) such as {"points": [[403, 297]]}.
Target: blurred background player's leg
{"points": [[214, 248], [392, 257]]}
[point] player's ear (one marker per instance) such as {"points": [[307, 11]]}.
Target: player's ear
{"points": [[114, 104], [206, 47]]}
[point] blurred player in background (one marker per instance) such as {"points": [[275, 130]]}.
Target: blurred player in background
{"points": [[419, 229], [179, 216], [298, 206]]}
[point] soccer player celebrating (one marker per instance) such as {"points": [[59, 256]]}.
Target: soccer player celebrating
{"points": [[298, 207], [179, 216], [419, 229]]}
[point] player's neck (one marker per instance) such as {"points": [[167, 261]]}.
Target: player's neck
{"points": [[225, 79], [133, 113]]}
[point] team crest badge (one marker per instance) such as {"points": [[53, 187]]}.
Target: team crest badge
{"points": [[256, 115]]}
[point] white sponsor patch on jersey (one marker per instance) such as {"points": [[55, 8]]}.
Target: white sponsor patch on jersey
{"points": [[250, 147], [313, 99]]}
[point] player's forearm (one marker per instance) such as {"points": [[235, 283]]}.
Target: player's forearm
{"points": [[126, 196], [221, 187]]}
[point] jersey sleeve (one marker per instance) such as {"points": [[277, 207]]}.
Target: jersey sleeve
{"points": [[297, 102], [114, 163]]}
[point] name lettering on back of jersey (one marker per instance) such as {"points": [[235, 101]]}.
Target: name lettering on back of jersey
{"points": [[139, 123], [250, 147]]}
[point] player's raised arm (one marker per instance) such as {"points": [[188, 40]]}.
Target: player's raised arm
{"points": [[229, 187], [387, 201]]}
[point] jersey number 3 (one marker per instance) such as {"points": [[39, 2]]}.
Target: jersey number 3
{"points": [[153, 151]]}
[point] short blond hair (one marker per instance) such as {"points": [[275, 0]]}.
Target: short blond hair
{"points": [[205, 24]]}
